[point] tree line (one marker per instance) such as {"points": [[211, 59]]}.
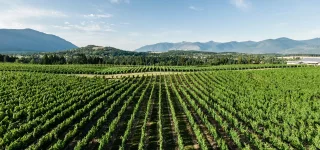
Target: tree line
{"points": [[163, 60], [7, 58]]}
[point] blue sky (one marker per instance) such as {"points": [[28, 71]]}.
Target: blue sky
{"points": [[130, 24]]}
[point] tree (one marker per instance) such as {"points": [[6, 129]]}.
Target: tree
{"points": [[45, 59], [32, 61], [6, 58]]}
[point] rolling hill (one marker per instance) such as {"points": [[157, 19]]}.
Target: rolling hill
{"points": [[280, 45], [29, 40]]}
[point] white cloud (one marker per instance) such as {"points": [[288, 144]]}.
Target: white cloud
{"points": [[114, 1], [98, 16], [281, 24], [58, 14], [86, 27], [28, 12], [315, 33], [124, 23], [20, 16], [241, 4], [167, 33], [195, 8], [61, 27], [134, 34], [119, 1]]}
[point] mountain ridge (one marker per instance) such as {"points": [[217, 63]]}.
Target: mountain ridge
{"points": [[29, 40], [280, 45]]}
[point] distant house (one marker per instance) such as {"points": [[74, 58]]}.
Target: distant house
{"points": [[311, 62], [306, 61], [294, 62]]}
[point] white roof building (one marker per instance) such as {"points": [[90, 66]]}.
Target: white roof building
{"points": [[306, 61]]}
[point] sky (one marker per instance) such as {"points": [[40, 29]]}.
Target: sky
{"points": [[130, 24]]}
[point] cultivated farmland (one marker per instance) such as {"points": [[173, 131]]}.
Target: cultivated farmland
{"points": [[210, 109]]}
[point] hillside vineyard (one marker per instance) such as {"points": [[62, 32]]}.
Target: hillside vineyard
{"points": [[221, 109]]}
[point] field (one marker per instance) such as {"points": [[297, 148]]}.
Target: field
{"points": [[116, 69], [208, 108]]}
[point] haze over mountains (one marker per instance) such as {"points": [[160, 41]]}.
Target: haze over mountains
{"points": [[280, 45], [29, 40]]}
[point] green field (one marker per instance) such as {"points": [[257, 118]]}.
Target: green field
{"points": [[122, 69], [222, 107]]}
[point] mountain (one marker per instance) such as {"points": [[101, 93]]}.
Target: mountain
{"points": [[93, 50], [281, 45], [28, 40], [157, 47], [315, 41]]}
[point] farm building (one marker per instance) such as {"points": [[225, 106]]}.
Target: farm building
{"points": [[293, 62], [306, 61]]}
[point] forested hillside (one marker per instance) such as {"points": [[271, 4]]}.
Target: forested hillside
{"points": [[108, 55]]}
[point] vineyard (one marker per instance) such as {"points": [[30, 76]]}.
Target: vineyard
{"points": [[209, 108], [123, 69]]}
